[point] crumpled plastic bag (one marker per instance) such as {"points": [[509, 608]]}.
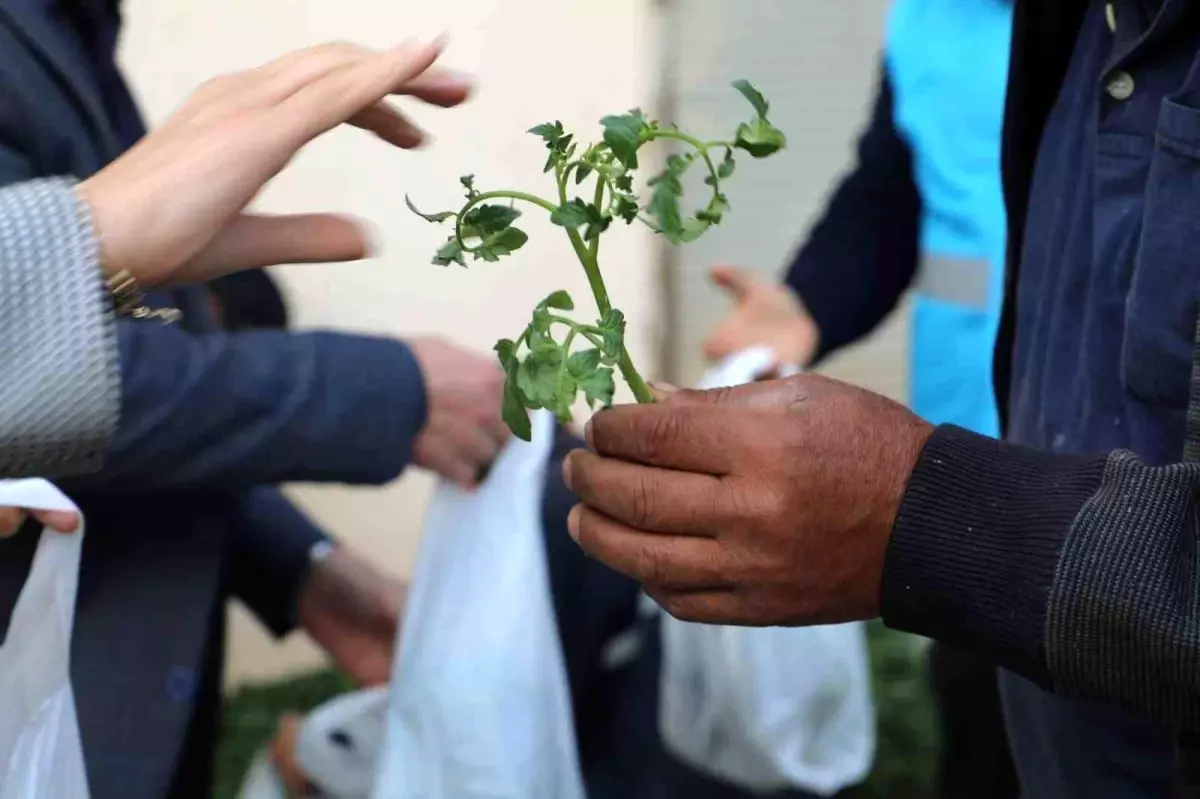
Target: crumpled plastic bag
{"points": [[480, 707], [767, 708], [41, 755]]}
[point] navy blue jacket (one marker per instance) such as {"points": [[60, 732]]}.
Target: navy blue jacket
{"points": [[185, 510]]}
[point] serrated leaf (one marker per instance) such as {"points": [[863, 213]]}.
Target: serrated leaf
{"points": [[664, 207], [726, 167], [571, 215], [560, 300], [497, 245], [537, 377], [598, 386], [468, 183], [624, 135], [513, 410], [441, 217], [581, 173], [584, 362], [691, 230], [754, 96], [715, 211], [624, 183], [565, 396], [760, 138], [484, 220], [550, 132], [627, 208], [612, 334], [450, 253]]}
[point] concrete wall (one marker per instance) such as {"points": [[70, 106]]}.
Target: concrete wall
{"points": [[818, 64], [537, 59]]}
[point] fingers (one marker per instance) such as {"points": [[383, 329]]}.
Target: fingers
{"points": [[441, 87], [252, 241], [685, 433], [706, 606], [346, 92], [665, 561], [283, 754], [57, 520], [11, 520], [459, 453], [646, 498], [734, 281], [390, 125]]}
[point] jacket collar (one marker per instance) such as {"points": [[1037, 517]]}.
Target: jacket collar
{"points": [[34, 25]]}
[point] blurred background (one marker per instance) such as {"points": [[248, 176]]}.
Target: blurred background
{"points": [[539, 59]]}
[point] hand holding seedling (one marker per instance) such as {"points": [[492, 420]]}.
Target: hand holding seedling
{"points": [[543, 368]]}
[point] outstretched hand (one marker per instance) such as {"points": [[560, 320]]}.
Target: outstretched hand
{"points": [[171, 210]]}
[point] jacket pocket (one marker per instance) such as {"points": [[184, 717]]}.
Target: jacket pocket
{"points": [[1161, 306]]}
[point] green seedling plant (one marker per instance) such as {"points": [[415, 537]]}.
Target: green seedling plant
{"points": [[556, 357]]}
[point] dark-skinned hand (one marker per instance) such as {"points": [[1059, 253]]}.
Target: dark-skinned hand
{"points": [[766, 504]]}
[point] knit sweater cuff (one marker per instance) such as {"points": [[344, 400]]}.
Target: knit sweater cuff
{"points": [[976, 544]]}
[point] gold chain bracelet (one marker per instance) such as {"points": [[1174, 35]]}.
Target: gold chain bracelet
{"points": [[128, 300]]}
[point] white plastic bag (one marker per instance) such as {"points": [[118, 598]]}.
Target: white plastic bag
{"points": [[40, 751], [770, 708], [479, 703], [337, 750]]}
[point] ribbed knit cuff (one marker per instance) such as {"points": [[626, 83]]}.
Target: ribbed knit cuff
{"points": [[976, 544]]}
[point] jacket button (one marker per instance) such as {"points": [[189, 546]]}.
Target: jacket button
{"points": [[181, 684], [1120, 85]]}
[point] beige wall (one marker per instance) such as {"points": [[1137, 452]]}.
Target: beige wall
{"points": [[538, 59]]}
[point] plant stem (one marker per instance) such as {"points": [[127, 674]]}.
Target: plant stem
{"points": [[591, 268], [521, 196], [696, 144]]}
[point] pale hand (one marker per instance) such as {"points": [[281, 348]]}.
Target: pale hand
{"points": [[463, 431], [171, 210], [765, 313]]}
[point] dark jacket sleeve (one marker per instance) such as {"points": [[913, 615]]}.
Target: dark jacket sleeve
{"points": [[1080, 573], [862, 254], [271, 543], [233, 411]]}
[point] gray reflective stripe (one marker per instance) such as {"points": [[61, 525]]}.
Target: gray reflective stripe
{"points": [[963, 281]]}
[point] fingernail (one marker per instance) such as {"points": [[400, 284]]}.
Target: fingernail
{"points": [[666, 388], [573, 522], [566, 473]]}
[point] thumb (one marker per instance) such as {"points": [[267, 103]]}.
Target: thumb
{"points": [[58, 520], [732, 280], [252, 241]]}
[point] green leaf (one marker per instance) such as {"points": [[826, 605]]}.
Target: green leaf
{"points": [[595, 380], [715, 211], [584, 362], [612, 338], [560, 300], [550, 132], [537, 377], [754, 96], [581, 173], [572, 215], [484, 220], [497, 245], [624, 183], [725, 169], [624, 135], [760, 138], [512, 409], [599, 387], [627, 208], [450, 253], [442, 217], [468, 182], [664, 206], [567, 388]]}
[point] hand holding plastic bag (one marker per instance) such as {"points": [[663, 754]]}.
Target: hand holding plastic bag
{"points": [[768, 708], [41, 755]]}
